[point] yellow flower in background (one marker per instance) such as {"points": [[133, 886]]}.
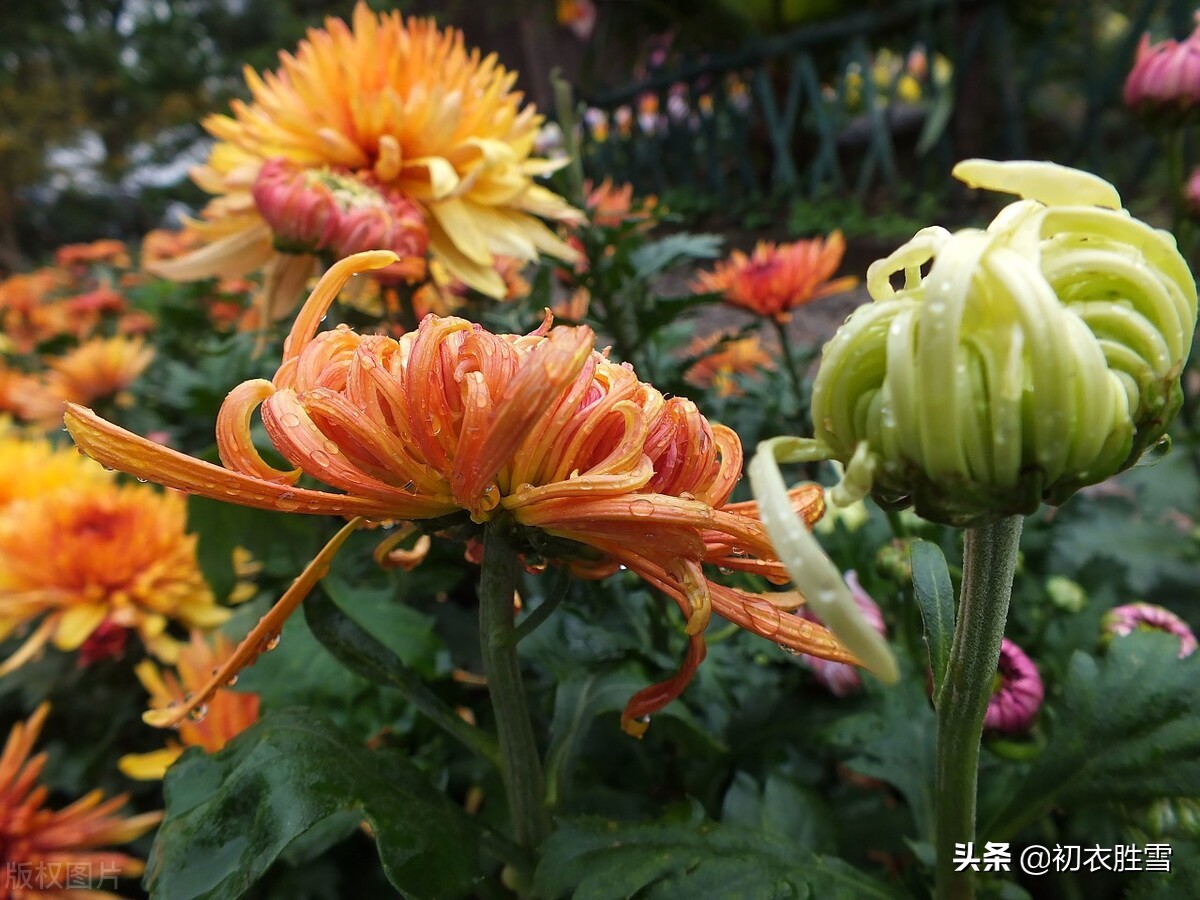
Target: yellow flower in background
{"points": [[40, 847], [397, 105], [226, 713], [95, 553], [583, 464], [30, 467]]}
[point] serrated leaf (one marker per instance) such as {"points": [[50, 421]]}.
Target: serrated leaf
{"points": [[599, 859], [894, 742], [1128, 730], [935, 597], [1152, 551], [403, 630], [780, 806], [654, 257], [230, 815]]}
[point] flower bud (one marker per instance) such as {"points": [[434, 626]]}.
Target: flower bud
{"points": [[1018, 693], [1164, 83], [1013, 365], [1131, 617]]}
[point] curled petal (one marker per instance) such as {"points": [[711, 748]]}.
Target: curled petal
{"points": [[635, 718], [813, 572], [234, 443]]}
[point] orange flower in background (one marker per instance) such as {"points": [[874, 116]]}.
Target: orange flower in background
{"points": [[394, 107], [442, 294], [44, 851], [776, 279], [608, 205], [227, 713], [105, 252], [98, 369], [716, 369], [163, 244], [94, 553], [586, 466]]}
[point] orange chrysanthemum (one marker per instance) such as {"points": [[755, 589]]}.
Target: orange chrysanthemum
{"points": [[226, 715], [98, 369], [56, 854], [584, 464], [774, 280], [95, 553], [716, 369], [110, 252], [609, 205], [400, 107]]}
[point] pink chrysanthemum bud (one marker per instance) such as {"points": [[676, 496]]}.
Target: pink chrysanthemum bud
{"points": [[1165, 79], [341, 213], [1132, 617], [1018, 694], [843, 679]]}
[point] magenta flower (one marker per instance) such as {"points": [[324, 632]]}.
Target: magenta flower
{"points": [[1132, 617], [1018, 693], [1165, 78], [839, 678]]}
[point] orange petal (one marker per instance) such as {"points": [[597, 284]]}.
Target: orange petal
{"points": [[234, 443], [261, 637], [117, 448]]}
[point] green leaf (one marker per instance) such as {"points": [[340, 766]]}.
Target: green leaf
{"points": [[652, 258], [599, 859], [935, 597], [404, 631], [370, 658], [780, 806], [230, 815], [894, 742], [1128, 730]]}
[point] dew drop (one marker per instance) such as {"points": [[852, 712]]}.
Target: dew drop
{"points": [[198, 714], [271, 642], [321, 458], [687, 495], [790, 651], [142, 480], [642, 507], [233, 679], [291, 420], [287, 502], [332, 447]]}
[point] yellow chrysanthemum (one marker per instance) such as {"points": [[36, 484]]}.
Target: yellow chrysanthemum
{"points": [[59, 854], [31, 467], [226, 714], [99, 553], [399, 108]]}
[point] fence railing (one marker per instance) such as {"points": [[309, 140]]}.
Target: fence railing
{"points": [[882, 98]]}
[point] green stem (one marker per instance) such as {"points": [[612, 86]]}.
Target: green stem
{"points": [[1176, 178], [989, 562], [521, 764], [789, 360]]}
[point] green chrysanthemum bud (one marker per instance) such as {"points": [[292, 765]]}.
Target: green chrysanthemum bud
{"points": [[1014, 365]]}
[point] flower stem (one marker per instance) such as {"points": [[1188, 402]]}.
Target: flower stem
{"points": [[793, 364], [989, 562], [521, 764]]}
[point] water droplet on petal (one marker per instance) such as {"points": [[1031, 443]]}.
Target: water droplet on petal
{"points": [[287, 502], [642, 507], [198, 714], [320, 457], [271, 642], [790, 651], [291, 420]]}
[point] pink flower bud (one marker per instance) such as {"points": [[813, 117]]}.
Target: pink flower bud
{"points": [[1165, 79], [1132, 617], [1018, 694]]}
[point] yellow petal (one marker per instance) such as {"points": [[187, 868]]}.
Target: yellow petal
{"points": [[1046, 182], [150, 766], [230, 256], [76, 624], [456, 218]]}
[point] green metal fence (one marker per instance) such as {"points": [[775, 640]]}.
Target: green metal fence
{"points": [[832, 108]]}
